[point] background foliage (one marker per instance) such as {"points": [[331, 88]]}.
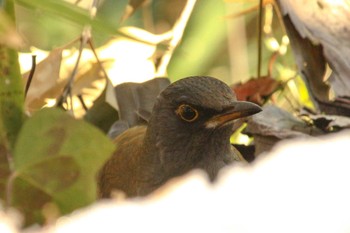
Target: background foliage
{"points": [[53, 141]]}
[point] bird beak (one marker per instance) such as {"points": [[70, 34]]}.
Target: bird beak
{"points": [[238, 110]]}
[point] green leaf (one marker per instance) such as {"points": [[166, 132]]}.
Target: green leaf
{"points": [[59, 156], [52, 174], [74, 14], [111, 10], [29, 200], [52, 23], [11, 88], [204, 36], [4, 167]]}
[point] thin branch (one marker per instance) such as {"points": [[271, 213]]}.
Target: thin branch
{"points": [[272, 63], [279, 16], [68, 88], [178, 31], [81, 99], [260, 38], [85, 37], [30, 77], [92, 47]]}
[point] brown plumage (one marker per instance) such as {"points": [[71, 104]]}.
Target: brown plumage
{"points": [[189, 127]]}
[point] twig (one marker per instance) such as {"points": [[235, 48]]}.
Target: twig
{"points": [[85, 37], [30, 77], [81, 99], [178, 31], [92, 47], [260, 38], [279, 14], [68, 88], [271, 63]]}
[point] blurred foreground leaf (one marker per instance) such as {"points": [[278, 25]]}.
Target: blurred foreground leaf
{"points": [[56, 159], [4, 164], [11, 89], [69, 12], [51, 23], [8, 33]]}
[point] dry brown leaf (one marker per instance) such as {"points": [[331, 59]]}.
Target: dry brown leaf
{"points": [[45, 78], [90, 82], [256, 90], [325, 23]]}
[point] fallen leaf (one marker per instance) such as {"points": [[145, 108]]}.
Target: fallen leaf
{"points": [[274, 124], [256, 90], [318, 36], [328, 123], [325, 23]]}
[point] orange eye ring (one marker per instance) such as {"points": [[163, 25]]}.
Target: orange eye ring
{"points": [[187, 113]]}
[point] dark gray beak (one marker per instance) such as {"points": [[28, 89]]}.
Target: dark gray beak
{"points": [[238, 110]]}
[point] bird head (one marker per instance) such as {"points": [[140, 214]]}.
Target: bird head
{"points": [[193, 118]]}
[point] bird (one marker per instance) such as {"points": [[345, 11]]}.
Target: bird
{"points": [[189, 128]]}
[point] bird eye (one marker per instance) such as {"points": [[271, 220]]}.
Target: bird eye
{"points": [[187, 113]]}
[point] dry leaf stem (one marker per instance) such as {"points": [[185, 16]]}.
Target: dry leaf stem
{"points": [[177, 31], [30, 77]]}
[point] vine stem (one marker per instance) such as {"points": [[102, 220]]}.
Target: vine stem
{"points": [[84, 39], [261, 2], [68, 88]]}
